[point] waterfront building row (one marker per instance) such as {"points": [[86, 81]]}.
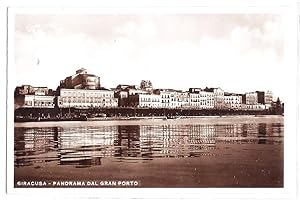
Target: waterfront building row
{"points": [[69, 98], [83, 90], [196, 98], [173, 99], [34, 101]]}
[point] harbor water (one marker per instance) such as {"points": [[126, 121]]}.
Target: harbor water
{"points": [[234, 151]]}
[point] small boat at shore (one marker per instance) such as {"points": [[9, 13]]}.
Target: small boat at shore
{"points": [[172, 117]]}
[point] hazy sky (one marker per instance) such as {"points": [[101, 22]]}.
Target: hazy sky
{"points": [[239, 53]]}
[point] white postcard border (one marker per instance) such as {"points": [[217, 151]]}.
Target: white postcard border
{"points": [[290, 113]]}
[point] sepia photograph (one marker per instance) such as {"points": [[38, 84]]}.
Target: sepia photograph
{"points": [[186, 100], [147, 98]]}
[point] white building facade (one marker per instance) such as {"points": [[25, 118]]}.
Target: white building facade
{"points": [[37, 101], [173, 98], [251, 98], [233, 101], [218, 98], [145, 101], [201, 99], [81, 98]]}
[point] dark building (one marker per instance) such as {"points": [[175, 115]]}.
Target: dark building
{"points": [[30, 90], [260, 97], [122, 93], [81, 80], [24, 89], [244, 99], [265, 98]]}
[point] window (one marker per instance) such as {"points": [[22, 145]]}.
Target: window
{"points": [[28, 103]]}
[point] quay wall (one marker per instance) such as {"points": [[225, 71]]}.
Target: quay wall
{"points": [[133, 112]]}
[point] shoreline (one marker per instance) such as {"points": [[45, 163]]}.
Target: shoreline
{"points": [[128, 113], [160, 121]]}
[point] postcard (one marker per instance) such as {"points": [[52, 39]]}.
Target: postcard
{"points": [[183, 100]]}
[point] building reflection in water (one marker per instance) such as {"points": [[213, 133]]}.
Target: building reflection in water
{"points": [[262, 134], [31, 143], [85, 146]]}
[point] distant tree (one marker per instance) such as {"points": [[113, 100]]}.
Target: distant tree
{"points": [[278, 107], [278, 103]]}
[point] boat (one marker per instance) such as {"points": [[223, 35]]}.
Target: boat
{"points": [[173, 117]]}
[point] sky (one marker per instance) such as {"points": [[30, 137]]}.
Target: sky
{"points": [[236, 52]]}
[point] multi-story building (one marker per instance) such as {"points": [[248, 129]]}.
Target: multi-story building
{"points": [[122, 98], [78, 98], [24, 89], [27, 96], [123, 92], [255, 100], [260, 97], [265, 98], [35, 101], [182, 99], [194, 100], [82, 90], [218, 97], [210, 100], [165, 96], [145, 101], [233, 101], [201, 99], [194, 97], [30, 90], [268, 99], [178, 99], [81, 80], [173, 98], [250, 98]]}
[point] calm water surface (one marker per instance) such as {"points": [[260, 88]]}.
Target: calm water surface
{"points": [[84, 146]]}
